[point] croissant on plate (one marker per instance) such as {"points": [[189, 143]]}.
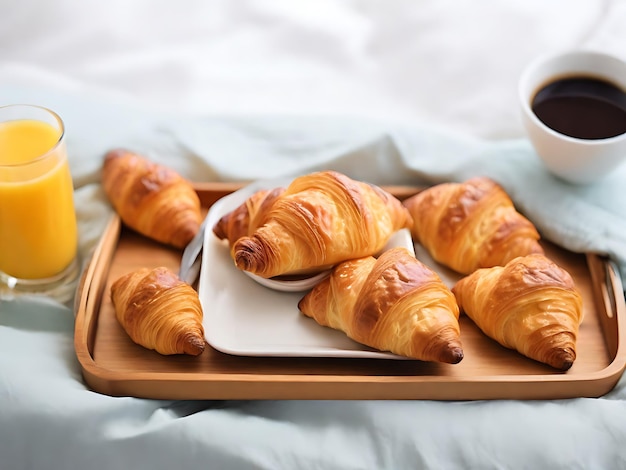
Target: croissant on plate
{"points": [[152, 199], [318, 221], [530, 305], [159, 311], [251, 214], [391, 303], [471, 225]]}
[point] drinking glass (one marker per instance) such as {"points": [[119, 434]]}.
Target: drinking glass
{"points": [[38, 229]]}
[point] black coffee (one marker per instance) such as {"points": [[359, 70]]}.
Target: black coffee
{"points": [[582, 107]]}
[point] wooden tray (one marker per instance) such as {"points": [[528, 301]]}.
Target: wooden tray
{"points": [[112, 364]]}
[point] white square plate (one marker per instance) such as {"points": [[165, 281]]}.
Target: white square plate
{"points": [[242, 317]]}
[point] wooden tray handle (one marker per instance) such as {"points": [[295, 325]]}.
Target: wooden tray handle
{"points": [[607, 286]]}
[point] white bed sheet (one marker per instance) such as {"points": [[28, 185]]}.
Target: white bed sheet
{"points": [[224, 90]]}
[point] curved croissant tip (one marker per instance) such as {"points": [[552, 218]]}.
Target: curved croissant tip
{"points": [[185, 234], [452, 355], [248, 255], [562, 360], [567, 365], [194, 345], [243, 258]]}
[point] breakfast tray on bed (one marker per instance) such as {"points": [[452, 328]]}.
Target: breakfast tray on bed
{"points": [[112, 364]]}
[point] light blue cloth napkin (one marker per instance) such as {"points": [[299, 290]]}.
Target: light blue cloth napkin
{"points": [[49, 419]]}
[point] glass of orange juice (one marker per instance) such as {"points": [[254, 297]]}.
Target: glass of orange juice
{"points": [[38, 229]]}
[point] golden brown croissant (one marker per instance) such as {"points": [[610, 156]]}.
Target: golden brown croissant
{"points": [[159, 311], [320, 220], [530, 305], [471, 225], [393, 303], [247, 217], [152, 199]]}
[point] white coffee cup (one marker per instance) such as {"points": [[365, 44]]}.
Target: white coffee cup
{"points": [[573, 159]]}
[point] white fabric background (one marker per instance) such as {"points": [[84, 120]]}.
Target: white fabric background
{"points": [[394, 91], [452, 63]]}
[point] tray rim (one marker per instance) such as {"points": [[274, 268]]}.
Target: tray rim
{"points": [[123, 383]]}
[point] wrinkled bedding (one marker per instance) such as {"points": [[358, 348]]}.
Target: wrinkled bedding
{"points": [[406, 92]]}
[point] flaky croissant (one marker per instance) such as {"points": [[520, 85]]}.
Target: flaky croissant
{"points": [[152, 199], [391, 303], [247, 217], [471, 225], [321, 219], [530, 305], [159, 311]]}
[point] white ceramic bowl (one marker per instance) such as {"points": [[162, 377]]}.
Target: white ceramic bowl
{"points": [[575, 160], [301, 284]]}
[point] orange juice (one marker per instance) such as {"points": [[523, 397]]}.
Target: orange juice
{"points": [[38, 233]]}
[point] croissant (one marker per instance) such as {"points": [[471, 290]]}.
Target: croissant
{"points": [[247, 217], [391, 303], [319, 220], [151, 199], [471, 225], [159, 311], [530, 305]]}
